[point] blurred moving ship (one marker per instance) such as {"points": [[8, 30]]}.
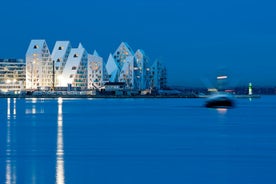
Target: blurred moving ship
{"points": [[220, 99]]}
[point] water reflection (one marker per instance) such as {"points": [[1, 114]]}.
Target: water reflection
{"points": [[8, 108], [10, 172], [10, 165], [222, 111], [34, 109], [59, 153], [14, 108]]}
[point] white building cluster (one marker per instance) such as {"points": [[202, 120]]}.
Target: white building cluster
{"points": [[66, 67]]}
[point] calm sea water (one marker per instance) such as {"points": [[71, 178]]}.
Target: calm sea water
{"points": [[137, 141]]}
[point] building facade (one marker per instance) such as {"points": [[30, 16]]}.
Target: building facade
{"points": [[12, 75], [67, 66], [112, 69], [75, 70], [96, 72], [60, 56], [158, 76], [143, 69], [128, 73], [39, 66], [122, 52]]}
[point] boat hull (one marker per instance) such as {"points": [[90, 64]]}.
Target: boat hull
{"points": [[220, 101]]}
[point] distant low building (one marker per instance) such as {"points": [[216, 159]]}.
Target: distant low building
{"points": [[113, 86], [12, 75]]}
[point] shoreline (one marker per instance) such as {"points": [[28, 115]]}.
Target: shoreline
{"points": [[115, 96], [95, 96]]}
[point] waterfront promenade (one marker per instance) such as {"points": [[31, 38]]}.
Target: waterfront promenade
{"points": [[79, 95]]}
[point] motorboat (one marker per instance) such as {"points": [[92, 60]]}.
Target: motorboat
{"points": [[220, 100]]}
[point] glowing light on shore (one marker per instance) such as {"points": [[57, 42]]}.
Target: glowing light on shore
{"points": [[222, 77]]}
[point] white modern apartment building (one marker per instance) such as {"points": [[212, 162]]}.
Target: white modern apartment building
{"points": [[143, 69], [158, 75], [75, 70], [122, 52], [128, 73], [60, 56], [133, 67], [96, 72], [39, 66]]}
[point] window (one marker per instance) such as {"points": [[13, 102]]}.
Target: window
{"points": [[60, 48], [74, 68], [36, 46], [76, 55], [71, 76]]}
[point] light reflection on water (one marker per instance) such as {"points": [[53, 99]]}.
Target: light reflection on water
{"points": [[222, 111], [14, 108], [136, 141], [60, 152], [10, 151], [8, 108], [33, 109], [10, 165]]}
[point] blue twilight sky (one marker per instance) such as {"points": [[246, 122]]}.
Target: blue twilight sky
{"points": [[195, 39]]}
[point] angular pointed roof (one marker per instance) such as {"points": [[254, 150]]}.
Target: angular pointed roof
{"points": [[124, 46], [36, 46], [111, 64], [112, 68], [94, 58], [80, 46], [60, 49], [140, 51], [96, 53]]}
